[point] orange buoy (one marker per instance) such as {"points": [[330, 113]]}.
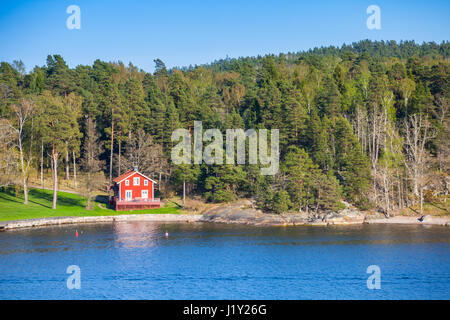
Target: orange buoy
{"points": [[76, 233]]}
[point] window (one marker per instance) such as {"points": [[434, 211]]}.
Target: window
{"points": [[145, 182], [136, 181], [128, 195], [127, 182], [144, 194]]}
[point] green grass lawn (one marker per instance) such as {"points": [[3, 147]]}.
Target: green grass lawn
{"points": [[40, 206]]}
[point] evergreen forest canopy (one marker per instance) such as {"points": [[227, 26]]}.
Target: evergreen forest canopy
{"points": [[367, 123]]}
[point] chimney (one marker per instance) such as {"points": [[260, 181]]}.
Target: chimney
{"points": [[136, 168]]}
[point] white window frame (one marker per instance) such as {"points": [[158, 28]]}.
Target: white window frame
{"points": [[127, 182], [138, 181], [142, 194], [145, 182], [131, 194]]}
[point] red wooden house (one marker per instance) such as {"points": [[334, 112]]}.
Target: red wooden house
{"points": [[134, 191]]}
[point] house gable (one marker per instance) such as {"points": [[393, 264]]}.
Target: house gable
{"points": [[131, 174], [136, 190]]}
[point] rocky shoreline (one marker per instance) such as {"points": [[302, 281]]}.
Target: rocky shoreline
{"points": [[244, 212], [241, 212]]}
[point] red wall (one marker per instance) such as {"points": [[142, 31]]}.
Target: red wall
{"points": [[136, 190]]}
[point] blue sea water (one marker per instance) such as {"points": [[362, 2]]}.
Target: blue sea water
{"points": [[135, 260]]}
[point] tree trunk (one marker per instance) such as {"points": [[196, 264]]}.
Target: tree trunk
{"points": [[184, 193], [317, 208], [74, 170], [386, 194], [67, 163], [111, 161], [24, 174], [416, 183], [25, 191], [399, 187], [159, 182], [406, 108], [88, 206], [55, 177], [42, 164], [373, 155], [421, 201], [120, 162]]}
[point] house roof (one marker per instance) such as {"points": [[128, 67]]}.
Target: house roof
{"points": [[123, 176], [128, 174]]}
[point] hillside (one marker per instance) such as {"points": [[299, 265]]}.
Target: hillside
{"points": [[367, 123]]}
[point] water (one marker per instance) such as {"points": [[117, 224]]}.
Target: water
{"points": [[211, 261]]}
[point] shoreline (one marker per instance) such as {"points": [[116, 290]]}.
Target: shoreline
{"points": [[191, 218], [429, 220], [55, 221]]}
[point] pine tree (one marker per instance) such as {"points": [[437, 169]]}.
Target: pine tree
{"points": [[91, 162], [351, 165], [329, 99], [281, 202], [57, 123]]}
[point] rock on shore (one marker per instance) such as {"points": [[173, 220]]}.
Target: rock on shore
{"points": [[244, 212]]}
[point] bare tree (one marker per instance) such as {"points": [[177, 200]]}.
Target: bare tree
{"points": [[443, 143], [24, 111], [142, 152], [8, 158], [148, 156], [376, 139], [417, 132], [386, 150], [389, 165]]}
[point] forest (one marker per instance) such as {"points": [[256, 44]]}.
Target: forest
{"points": [[365, 123]]}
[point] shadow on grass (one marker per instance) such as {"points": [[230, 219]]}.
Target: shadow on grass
{"points": [[10, 191], [9, 194], [40, 204], [177, 204], [9, 197], [436, 206], [415, 211], [63, 199], [102, 199]]}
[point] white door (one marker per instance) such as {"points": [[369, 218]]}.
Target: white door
{"points": [[128, 195], [144, 194]]}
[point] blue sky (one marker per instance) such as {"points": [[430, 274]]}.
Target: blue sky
{"points": [[184, 32]]}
